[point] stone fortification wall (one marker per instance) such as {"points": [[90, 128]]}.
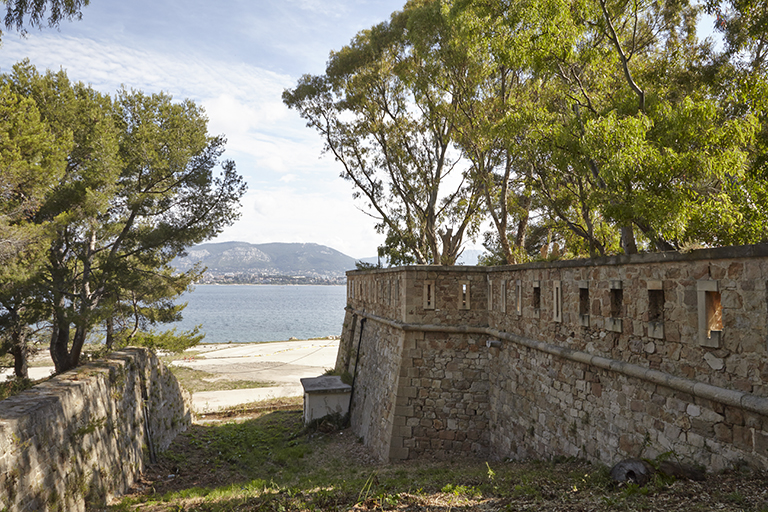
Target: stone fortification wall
{"points": [[374, 364], [601, 359], [84, 436], [443, 400]]}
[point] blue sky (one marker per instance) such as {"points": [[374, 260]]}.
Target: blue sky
{"points": [[234, 57]]}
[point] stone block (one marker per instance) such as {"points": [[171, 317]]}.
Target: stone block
{"points": [[734, 416], [404, 410], [403, 432], [731, 299], [695, 440], [735, 270], [761, 443], [723, 433], [742, 437], [399, 453]]}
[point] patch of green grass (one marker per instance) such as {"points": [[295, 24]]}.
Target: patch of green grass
{"points": [[346, 377], [195, 381], [273, 462], [14, 386]]}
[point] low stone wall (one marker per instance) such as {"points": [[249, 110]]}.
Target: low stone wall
{"points": [[84, 436], [601, 359]]}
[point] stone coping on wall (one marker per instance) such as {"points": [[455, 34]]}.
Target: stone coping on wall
{"points": [[747, 401], [716, 253]]}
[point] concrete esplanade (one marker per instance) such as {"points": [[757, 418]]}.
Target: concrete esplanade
{"points": [[603, 359]]}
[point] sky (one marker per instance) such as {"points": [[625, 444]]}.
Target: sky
{"points": [[235, 58]]}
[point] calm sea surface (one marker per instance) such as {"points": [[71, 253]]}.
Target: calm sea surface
{"points": [[242, 313]]}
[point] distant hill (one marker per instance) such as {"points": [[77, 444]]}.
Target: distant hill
{"points": [[277, 259]]}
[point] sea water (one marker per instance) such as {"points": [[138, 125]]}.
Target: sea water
{"points": [[255, 313]]}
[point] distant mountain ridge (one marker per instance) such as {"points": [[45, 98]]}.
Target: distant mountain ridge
{"points": [[291, 259], [467, 257]]}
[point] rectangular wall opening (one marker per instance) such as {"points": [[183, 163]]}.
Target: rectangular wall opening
{"points": [[655, 305], [714, 313], [617, 303], [584, 306], [463, 294], [519, 297], [583, 301], [536, 299], [616, 297], [655, 310], [557, 307], [710, 313], [503, 297], [429, 295], [490, 295]]}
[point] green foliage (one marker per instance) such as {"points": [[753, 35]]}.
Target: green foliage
{"points": [[364, 265], [35, 12], [32, 159], [40, 13], [609, 123], [384, 109], [14, 386], [169, 340], [140, 185], [623, 124], [271, 462], [346, 377]]}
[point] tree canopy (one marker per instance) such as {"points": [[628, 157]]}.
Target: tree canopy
{"points": [[597, 126], [384, 109], [138, 185]]}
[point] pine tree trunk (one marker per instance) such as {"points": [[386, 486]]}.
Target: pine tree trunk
{"points": [[20, 353], [60, 342]]}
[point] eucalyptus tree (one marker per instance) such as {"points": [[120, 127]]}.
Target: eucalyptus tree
{"points": [[627, 133], [40, 13], [492, 88], [670, 153], [385, 110], [744, 25], [740, 74], [140, 186], [513, 124]]}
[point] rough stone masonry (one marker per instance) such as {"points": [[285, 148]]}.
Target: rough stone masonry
{"points": [[85, 435], [603, 359]]}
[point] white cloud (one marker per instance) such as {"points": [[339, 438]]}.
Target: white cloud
{"points": [[294, 194], [285, 215]]}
